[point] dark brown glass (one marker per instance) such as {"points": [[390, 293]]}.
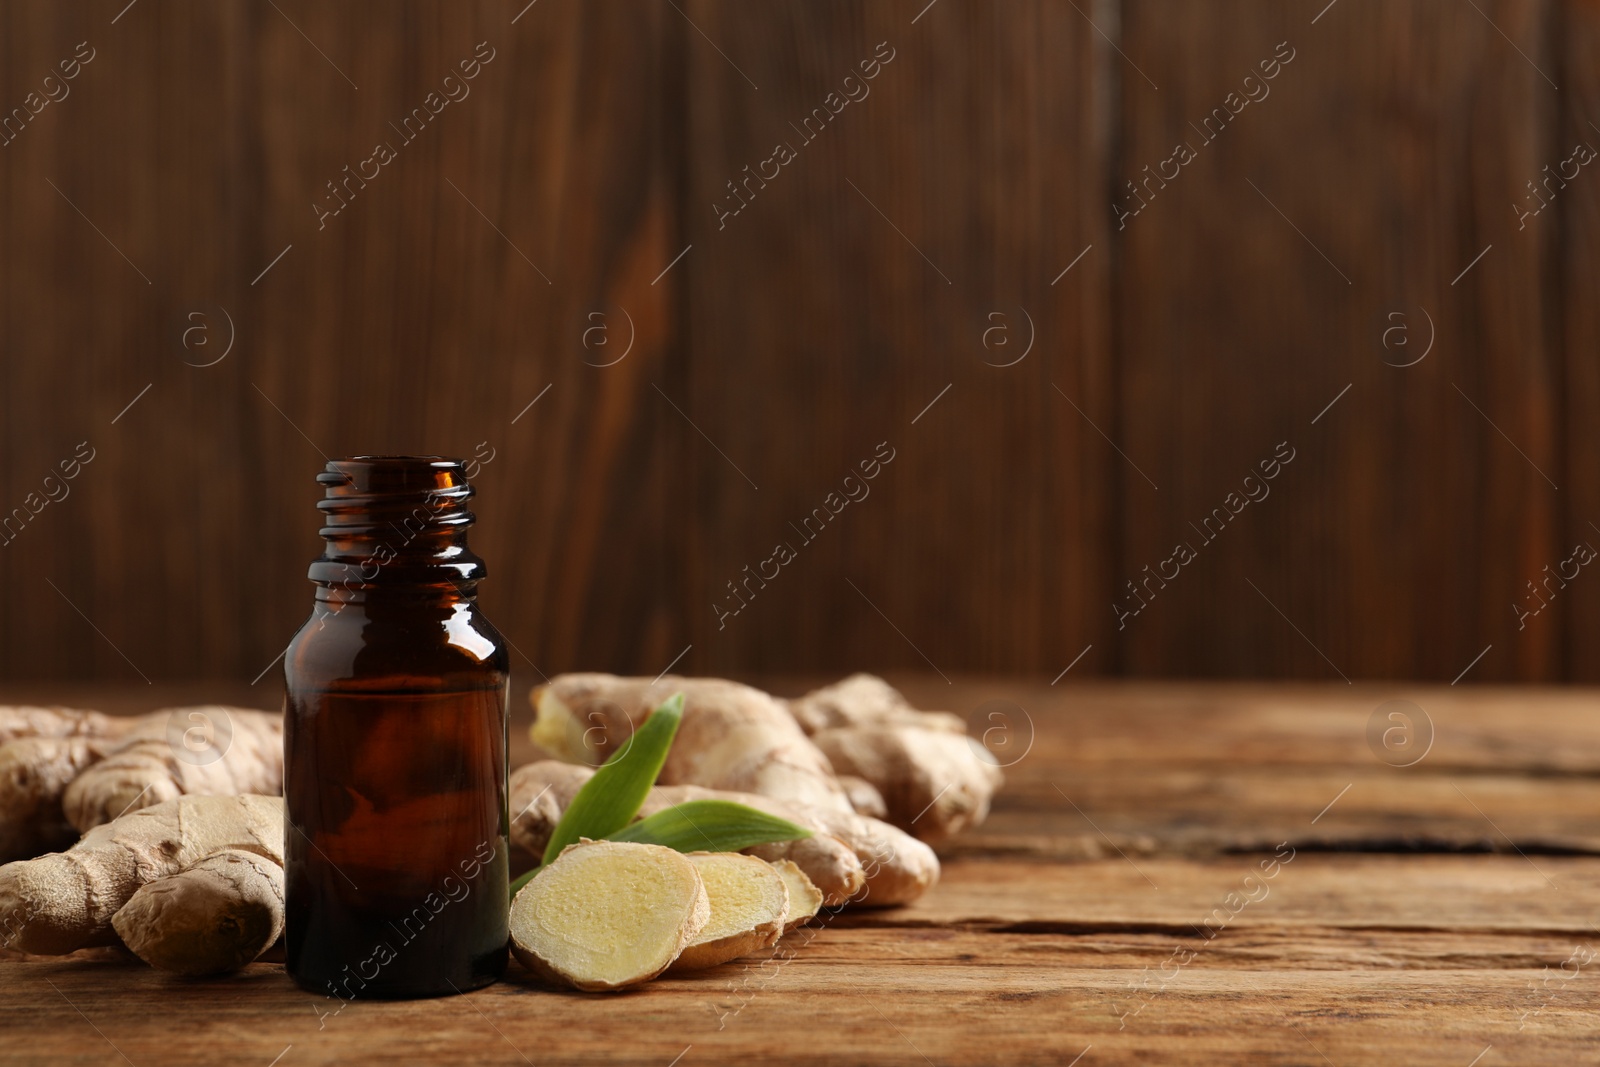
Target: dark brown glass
{"points": [[395, 745]]}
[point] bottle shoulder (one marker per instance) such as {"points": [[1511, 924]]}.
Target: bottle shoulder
{"points": [[367, 643]]}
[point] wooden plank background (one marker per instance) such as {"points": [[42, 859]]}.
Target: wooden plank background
{"points": [[879, 290]]}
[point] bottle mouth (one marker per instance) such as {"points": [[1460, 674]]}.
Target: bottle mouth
{"points": [[370, 490], [392, 474], [404, 517]]}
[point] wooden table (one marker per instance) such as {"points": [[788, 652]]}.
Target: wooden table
{"points": [[1174, 873]]}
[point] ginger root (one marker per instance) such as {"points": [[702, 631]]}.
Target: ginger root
{"points": [[606, 915], [19, 721], [65, 901], [210, 918], [41, 751], [934, 783], [34, 773], [869, 751], [47, 753], [935, 780], [864, 796], [848, 853], [895, 867], [749, 910], [865, 700], [147, 767], [732, 737]]}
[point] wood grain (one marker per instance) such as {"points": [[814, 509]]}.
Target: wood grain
{"points": [[978, 998], [1575, 222], [1426, 894], [1174, 928], [862, 298], [426, 316], [875, 276], [1373, 171]]}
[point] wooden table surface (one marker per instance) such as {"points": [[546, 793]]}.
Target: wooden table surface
{"points": [[1174, 873]]}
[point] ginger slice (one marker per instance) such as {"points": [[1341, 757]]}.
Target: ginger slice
{"points": [[605, 915], [805, 899], [749, 906]]}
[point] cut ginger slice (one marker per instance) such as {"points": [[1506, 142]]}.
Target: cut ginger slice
{"points": [[805, 899], [749, 905], [606, 915]]}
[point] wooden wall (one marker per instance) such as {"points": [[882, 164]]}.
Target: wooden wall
{"points": [[944, 266]]}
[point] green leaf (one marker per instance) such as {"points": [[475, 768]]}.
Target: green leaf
{"points": [[710, 826], [516, 886], [609, 801]]}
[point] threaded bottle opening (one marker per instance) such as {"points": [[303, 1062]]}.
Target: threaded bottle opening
{"points": [[395, 520]]}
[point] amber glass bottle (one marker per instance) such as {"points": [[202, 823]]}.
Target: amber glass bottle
{"points": [[395, 745]]}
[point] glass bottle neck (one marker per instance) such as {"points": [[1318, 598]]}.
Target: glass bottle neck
{"points": [[372, 597], [395, 527]]}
